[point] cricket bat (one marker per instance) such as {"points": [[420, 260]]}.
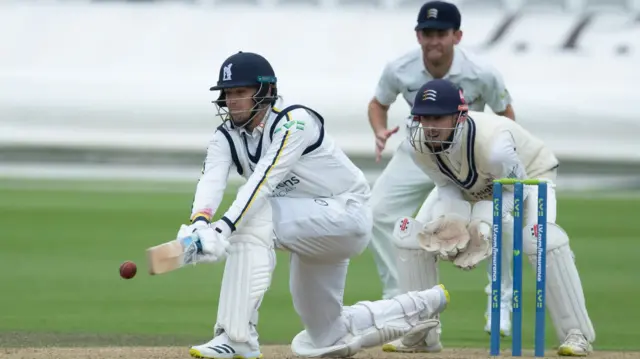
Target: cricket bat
{"points": [[169, 256]]}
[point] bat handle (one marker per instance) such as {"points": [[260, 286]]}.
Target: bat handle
{"points": [[186, 242]]}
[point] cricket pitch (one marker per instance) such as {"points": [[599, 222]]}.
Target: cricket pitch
{"points": [[269, 351]]}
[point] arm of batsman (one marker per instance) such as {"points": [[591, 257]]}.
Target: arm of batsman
{"points": [[480, 241], [447, 234]]}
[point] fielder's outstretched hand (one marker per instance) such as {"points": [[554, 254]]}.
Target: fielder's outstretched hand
{"points": [[381, 140]]}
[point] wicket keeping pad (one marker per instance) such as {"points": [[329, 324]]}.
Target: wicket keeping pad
{"points": [[417, 268], [565, 297]]}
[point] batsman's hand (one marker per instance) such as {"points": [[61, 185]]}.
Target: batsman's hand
{"points": [[479, 247], [214, 244], [445, 236], [381, 140], [186, 230]]}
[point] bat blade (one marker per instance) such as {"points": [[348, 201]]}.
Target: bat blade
{"points": [[168, 256]]}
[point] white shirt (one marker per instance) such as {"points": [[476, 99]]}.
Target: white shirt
{"points": [[490, 147], [291, 157], [481, 82]]}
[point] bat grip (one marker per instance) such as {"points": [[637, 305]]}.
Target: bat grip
{"points": [[187, 241]]}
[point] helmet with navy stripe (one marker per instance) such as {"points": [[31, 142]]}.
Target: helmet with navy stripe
{"points": [[242, 70], [439, 112]]}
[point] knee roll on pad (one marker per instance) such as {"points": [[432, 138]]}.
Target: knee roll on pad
{"points": [[565, 297], [405, 233], [258, 228]]}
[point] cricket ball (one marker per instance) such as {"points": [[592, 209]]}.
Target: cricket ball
{"points": [[128, 270]]}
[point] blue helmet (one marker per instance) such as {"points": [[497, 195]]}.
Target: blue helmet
{"points": [[435, 99], [246, 69], [439, 15], [438, 97]]}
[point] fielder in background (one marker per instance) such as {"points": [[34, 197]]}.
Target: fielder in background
{"points": [[402, 187], [463, 152], [322, 222]]}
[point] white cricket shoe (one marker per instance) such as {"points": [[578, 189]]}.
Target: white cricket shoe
{"points": [[421, 342], [505, 318], [575, 345], [221, 347]]}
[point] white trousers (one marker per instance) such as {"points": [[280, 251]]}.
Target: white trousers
{"points": [[398, 192], [322, 235]]}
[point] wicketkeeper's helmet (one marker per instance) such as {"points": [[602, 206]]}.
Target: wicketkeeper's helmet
{"points": [[437, 98]]}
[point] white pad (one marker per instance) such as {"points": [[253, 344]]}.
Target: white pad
{"points": [[565, 297], [417, 269], [247, 276], [375, 323]]}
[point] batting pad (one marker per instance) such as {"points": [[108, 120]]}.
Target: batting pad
{"points": [[417, 268], [247, 276], [371, 324], [565, 297]]}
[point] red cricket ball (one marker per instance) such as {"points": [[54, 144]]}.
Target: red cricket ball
{"points": [[128, 270]]}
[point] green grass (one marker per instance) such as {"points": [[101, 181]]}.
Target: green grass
{"points": [[62, 244]]}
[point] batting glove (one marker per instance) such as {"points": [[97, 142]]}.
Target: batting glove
{"points": [[214, 244]]}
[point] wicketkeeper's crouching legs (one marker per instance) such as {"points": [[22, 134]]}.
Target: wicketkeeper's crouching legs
{"points": [[564, 294], [565, 297], [449, 229]]}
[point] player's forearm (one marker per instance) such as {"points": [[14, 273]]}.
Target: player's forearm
{"points": [[508, 112], [209, 193], [504, 160], [213, 181], [377, 115]]}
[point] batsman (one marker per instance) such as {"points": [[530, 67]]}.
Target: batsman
{"points": [[302, 195], [463, 152]]}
